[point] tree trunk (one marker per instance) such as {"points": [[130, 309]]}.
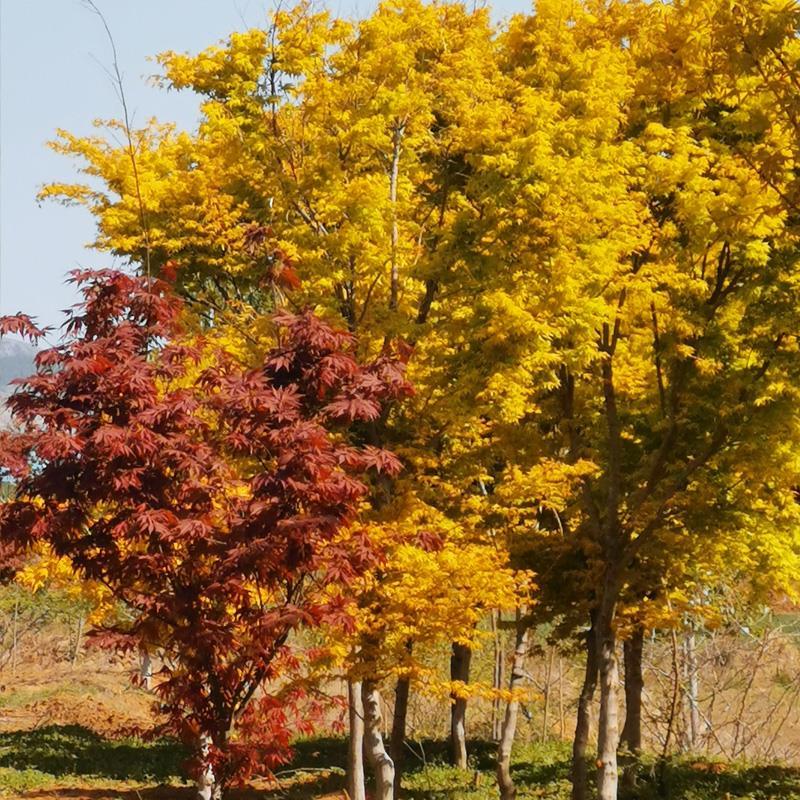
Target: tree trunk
{"points": [[459, 671], [580, 744], [15, 638], [145, 669], [631, 737], [397, 743], [547, 683], [382, 765], [504, 781], [692, 688], [76, 651], [608, 725], [498, 677], [634, 684], [613, 542], [355, 743], [207, 786], [673, 706], [561, 697]]}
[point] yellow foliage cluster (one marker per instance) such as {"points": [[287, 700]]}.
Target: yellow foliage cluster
{"points": [[584, 224], [45, 570]]}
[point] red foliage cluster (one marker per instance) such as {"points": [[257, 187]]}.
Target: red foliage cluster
{"points": [[208, 504]]}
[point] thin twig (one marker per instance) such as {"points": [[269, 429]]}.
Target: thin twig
{"points": [[119, 87]]}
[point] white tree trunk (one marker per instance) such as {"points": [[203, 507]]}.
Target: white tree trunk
{"points": [[506, 785], [355, 744], [583, 722], [382, 764], [207, 788]]}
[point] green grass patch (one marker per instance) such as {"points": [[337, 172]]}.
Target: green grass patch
{"points": [[24, 780], [74, 756], [686, 778], [70, 750], [540, 771]]}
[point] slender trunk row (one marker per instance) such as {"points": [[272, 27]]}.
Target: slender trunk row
{"points": [[601, 666], [601, 669]]}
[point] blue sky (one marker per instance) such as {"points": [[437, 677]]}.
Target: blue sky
{"points": [[52, 59]]}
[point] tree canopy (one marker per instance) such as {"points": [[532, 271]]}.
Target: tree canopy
{"points": [[580, 230]]}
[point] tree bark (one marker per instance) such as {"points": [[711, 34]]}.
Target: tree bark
{"points": [[459, 671], [382, 764], [355, 743], [498, 677], [207, 786], [631, 737], [613, 542], [580, 744], [561, 697], [504, 781], [608, 724], [692, 688], [676, 691], [547, 692], [76, 651], [397, 742], [634, 685], [145, 669], [15, 638]]}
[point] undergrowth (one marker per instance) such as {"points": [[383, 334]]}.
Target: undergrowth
{"points": [[72, 756]]}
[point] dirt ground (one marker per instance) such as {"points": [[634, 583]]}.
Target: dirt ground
{"points": [[96, 696], [95, 693], [65, 735]]}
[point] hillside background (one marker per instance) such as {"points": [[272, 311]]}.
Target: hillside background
{"points": [[16, 361]]}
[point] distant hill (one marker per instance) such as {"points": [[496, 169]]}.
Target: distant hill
{"points": [[16, 361]]}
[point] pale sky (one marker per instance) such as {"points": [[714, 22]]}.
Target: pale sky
{"points": [[52, 59]]}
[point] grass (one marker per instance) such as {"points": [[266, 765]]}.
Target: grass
{"points": [[53, 754], [684, 779], [56, 757]]}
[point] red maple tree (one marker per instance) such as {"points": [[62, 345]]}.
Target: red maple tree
{"points": [[207, 498]]}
